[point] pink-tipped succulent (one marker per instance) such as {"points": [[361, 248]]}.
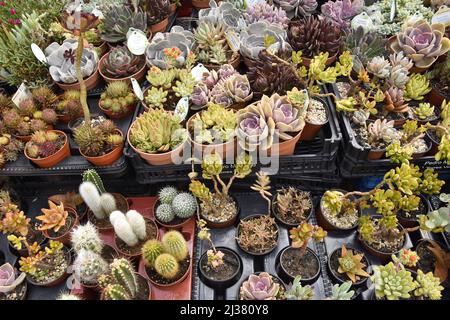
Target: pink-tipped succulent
{"points": [[260, 287], [8, 279], [341, 12], [263, 11]]}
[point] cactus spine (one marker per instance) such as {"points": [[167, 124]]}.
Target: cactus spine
{"points": [[174, 243], [86, 237], [91, 197], [123, 274], [115, 292], [150, 251], [166, 266], [164, 213], [89, 266], [167, 194], [92, 176], [184, 205], [108, 203], [137, 223]]}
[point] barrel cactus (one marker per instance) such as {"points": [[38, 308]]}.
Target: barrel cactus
{"points": [[150, 251], [167, 266], [174, 243], [164, 213], [184, 205], [115, 292], [392, 283], [123, 274], [88, 266], [167, 194]]}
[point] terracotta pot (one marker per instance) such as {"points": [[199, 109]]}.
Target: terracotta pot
{"points": [[435, 97], [375, 154], [64, 118], [131, 256], [118, 116], [286, 148], [106, 159], [415, 69], [148, 286], [310, 131], [103, 48], [65, 238], [28, 138], [158, 159], [160, 26], [91, 82], [222, 149], [139, 75], [188, 271], [54, 159], [177, 226], [307, 61], [234, 62], [323, 221], [201, 4]]}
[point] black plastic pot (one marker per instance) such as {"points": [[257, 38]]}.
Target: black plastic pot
{"points": [[428, 268], [334, 274], [286, 277], [220, 284], [327, 225], [224, 224], [411, 223], [253, 253], [286, 224]]}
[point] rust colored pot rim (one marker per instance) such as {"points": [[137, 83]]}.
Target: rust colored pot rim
{"points": [[100, 70], [188, 270], [62, 147], [62, 84], [74, 213], [134, 255], [129, 109], [106, 154]]}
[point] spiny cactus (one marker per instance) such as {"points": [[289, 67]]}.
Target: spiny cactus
{"points": [[91, 197], [167, 194], [167, 266], [123, 229], [150, 251], [164, 213], [86, 237], [123, 274], [184, 205], [108, 203], [137, 223], [174, 243], [92, 176], [115, 292], [89, 266]]}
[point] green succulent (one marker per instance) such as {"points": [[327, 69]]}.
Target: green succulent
{"points": [[398, 153], [385, 200], [444, 149], [366, 228], [417, 87], [212, 165], [430, 182], [156, 97], [406, 178], [392, 282], [429, 286], [161, 78], [342, 292], [332, 200], [243, 166], [215, 122], [423, 111], [299, 292], [436, 221]]}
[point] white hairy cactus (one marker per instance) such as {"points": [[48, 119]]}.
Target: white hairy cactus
{"points": [[91, 197], [108, 203], [86, 237], [88, 266], [137, 223], [123, 229]]}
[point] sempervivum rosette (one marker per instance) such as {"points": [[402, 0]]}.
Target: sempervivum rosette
{"points": [[421, 42], [259, 122]]}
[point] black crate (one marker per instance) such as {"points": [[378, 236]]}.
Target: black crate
{"points": [[310, 157], [352, 159]]}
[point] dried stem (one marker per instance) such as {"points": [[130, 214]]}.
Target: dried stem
{"points": [[83, 91]]}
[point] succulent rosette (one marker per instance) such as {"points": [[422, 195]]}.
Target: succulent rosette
{"points": [[260, 287], [263, 11]]}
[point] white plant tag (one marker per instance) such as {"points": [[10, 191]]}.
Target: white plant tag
{"points": [[362, 20], [442, 16], [137, 41], [22, 94], [393, 12], [38, 53], [182, 108], [137, 89], [198, 71], [233, 40], [414, 18]]}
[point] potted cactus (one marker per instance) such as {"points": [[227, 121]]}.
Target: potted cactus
{"points": [[118, 101], [131, 232], [121, 65], [12, 284], [173, 209], [123, 283], [291, 206], [157, 137], [101, 144], [57, 222], [298, 259], [88, 268], [158, 12], [69, 106], [262, 286], [47, 148], [213, 130], [167, 262], [218, 208], [10, 149]]}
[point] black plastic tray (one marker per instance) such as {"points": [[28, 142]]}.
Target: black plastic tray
{"points": [[352, 158]]}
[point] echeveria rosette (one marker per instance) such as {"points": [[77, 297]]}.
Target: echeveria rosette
{"points": [[200, 95], [8, 279], [421, 42], [341, 12], [238, 88], [253, 131], [260, 287], [263, 11]]}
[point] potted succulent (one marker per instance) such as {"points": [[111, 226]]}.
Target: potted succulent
{"points": [[337, 211], [167, 262], [341, 13], [118, 101], [436, 220], [12, 284], [440, 83], [316, 115], [424, 113], [10, 149], [262, 286], [100, 143], [47, 148], [258, 234], [157, 136], [218, 208], [69, 106], [313, 36], [131, 232], [173, 209], [298, 259], [72, 200], [158, 12], [291, 206], [271, 118], [262, 11], [120, 64], [101, 203], [392, 282], [432, 257], [212, 48], [57, 222], [218, 267], [299, 292], [213, 130], [349, 264], [123, 283]]}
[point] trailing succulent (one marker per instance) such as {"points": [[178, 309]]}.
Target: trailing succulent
{"points": [[97, 139], [118, 97], [44, 144], [121, 63]]}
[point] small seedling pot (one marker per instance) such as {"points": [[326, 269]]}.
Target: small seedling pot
{"points": [[224, 224], [55, 158], [64, 238], [274, 279], [150, 224], [375, 154], [413, 222], [117, 116], [91, 82], [286, 276], [338, 277], [310, 131], [325, 223], [106, 159], [176, 223], [435, 97], [224, 283], [253, 216], [159, 26], [284, 223], [139, 75]]}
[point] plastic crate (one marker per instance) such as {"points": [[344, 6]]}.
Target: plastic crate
{"points": [[353, 160]]}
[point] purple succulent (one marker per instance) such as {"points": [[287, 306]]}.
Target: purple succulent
{"points": [[260, 287], [8, 279], [200, 95], [210, 79], [263, 11], [238, 88], [341, 12], [226, 71]]}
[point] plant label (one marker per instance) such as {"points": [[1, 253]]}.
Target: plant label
{"points": [[233, 40], [137, 89], [442, 16], [393, 12], [137, 41], [22, 94], [38, 53], [182, 108], [362, 20], [198, 71], [415, 17]]}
